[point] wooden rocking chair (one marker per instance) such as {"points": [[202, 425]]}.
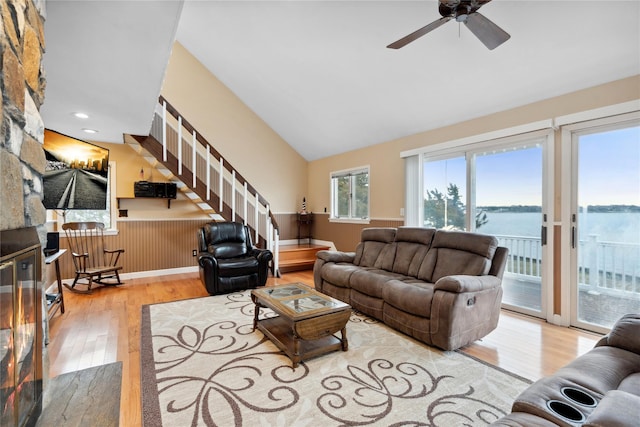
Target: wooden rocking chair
{"points": [[92, 261]]}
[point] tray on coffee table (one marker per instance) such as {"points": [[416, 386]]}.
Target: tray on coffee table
{"points": [[307, 320]]}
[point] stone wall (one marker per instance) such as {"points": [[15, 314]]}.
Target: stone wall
{"points": [[22, 84]]}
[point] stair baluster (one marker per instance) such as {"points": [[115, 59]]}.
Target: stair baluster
{"points": [[182, 161]]}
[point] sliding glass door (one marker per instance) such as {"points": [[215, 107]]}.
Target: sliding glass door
{"points": [[497, 188], [605, 223], [509, 204]]}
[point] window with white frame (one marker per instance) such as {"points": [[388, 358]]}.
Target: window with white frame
{"points": [[350, 194]]}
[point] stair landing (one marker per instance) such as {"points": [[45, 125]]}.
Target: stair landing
{"points": [[298, 257]]}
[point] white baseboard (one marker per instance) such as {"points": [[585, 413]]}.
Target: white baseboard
{"points": [[141, 274]]}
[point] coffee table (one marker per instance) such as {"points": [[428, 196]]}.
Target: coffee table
{"points": [[306, 321]]}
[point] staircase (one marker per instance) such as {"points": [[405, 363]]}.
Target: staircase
{"points": [[183, 156], [298, 257]]}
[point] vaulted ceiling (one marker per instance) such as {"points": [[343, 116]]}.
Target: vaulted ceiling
{"points": [[319, 72]]}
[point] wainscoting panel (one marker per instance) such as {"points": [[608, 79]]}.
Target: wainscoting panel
{"points": [[164, 244], [287, 224], [345, 236], [148, 245]]}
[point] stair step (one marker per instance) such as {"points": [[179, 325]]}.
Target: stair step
{"points": [[298, 257]]}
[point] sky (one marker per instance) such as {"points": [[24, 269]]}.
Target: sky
{"points": [[609, 168], [608, 172]]}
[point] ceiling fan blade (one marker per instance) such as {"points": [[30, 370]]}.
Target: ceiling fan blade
{"points": [[489, 33], [419, 33]]}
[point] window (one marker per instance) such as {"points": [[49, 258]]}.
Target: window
{"points": [[107, 216], [445, 193], [350, 194]]}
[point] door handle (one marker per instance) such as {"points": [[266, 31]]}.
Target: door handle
{"points": [[573, 237], [543, 235]]}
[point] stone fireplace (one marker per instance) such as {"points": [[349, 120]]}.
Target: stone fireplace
{"points": [[22, 215]]}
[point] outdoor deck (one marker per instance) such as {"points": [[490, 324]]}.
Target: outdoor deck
{"points": [[603, 297]]}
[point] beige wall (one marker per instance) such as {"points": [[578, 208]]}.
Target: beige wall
{"points": [[277, 171], [128, 166], [387, 168]]}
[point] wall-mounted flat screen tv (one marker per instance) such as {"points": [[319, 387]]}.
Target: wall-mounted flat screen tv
{"points": [[76, 174]]}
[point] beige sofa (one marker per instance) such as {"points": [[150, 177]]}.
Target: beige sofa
{"points": [[599, 388], [443, 288]]}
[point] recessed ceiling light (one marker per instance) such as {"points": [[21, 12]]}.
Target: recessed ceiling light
{"points": [[90, 130], [81, 115]]}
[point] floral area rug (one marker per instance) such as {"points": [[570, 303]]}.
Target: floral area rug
{"points": [[203, 365]]}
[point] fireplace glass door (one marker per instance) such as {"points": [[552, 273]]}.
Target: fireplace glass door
{"points": [[20, 370], [7, 365]]}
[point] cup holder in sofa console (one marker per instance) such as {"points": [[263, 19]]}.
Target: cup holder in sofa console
{"points": [[565, 411], [578, 396]]}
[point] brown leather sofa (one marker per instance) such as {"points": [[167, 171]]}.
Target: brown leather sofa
{"points": [[443, 288], [600, 388]]}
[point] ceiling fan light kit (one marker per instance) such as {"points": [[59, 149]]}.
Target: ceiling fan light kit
{"points": [[465, 11]]}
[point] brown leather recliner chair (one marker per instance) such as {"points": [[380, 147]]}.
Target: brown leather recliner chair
{"points": [[228, 262]]}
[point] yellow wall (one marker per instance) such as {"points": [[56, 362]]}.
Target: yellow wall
{"points": [[387, 168], [257, 152], [128, 166]]}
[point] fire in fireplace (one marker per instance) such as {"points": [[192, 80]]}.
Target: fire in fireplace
{"points": [[20, 327]]}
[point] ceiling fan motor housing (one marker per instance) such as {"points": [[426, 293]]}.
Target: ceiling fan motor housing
{"points": [[459, 9]]}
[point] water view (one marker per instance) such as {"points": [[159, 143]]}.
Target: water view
{"points": [[619, 227]]}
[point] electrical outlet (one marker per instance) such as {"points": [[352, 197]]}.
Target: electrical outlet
{"points": [[194, 253]]}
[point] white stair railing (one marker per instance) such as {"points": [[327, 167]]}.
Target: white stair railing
{"points": [[236, 198]]}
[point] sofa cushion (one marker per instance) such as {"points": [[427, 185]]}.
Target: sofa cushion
{"points": [[613, 365], [522, 419], [414, 298], [376, 248], [624, 333], [458, 252], [228, 250], [371, 281], [366, 304], [616, 409], [234, 267], [338, 274], [412, 244], [631, 384], [417, 327], [226, 239]]}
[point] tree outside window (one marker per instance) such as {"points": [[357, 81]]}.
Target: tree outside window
{"points": [[448, 210], [350, 194]]}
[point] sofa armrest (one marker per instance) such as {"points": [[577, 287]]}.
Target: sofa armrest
{"points": [[336, 256], [263, 255], [464, 283], [206, 260], [625, 334], [617, 408]]}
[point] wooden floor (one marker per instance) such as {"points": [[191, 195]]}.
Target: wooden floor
{"points": [[104, 327]]}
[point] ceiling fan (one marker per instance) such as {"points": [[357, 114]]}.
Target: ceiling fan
{"points": [[465, 11]]}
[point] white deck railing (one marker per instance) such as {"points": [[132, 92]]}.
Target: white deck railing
{"points": [[603, 267]]}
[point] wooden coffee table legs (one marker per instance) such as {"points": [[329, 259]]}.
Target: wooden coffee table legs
{"points": [[305, 338], [345, 343]]}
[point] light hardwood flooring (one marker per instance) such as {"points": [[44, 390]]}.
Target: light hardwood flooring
{"points": [[104, 327]]}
